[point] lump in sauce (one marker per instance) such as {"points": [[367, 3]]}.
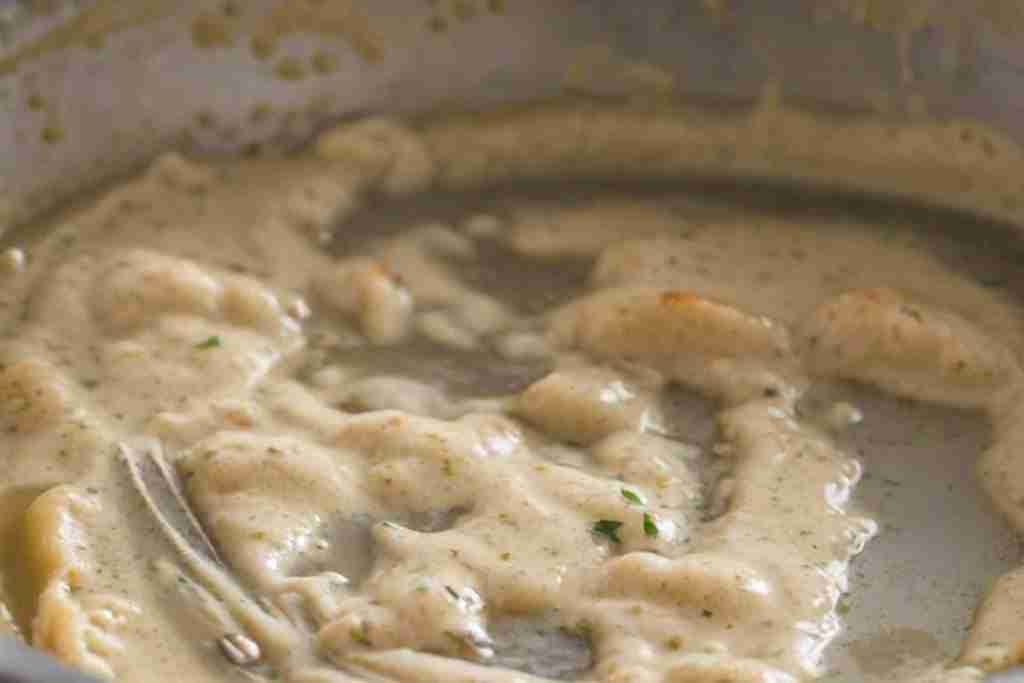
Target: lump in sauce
{"points": [[531, 511]]}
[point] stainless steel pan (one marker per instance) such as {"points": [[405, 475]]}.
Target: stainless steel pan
{"points": [[90, 89]]}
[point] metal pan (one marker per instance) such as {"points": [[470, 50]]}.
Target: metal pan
{"points": [[91, 89]]}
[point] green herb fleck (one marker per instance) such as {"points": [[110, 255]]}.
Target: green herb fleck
{"points": [[51, 134], [706, 613], [464, 10], [843, 606], [90, 384], [609, 528], [437, 24], [583, 629], [650, 528], [208, 343], [632, 497], [446, 468], [911, 313], [361, 634]]}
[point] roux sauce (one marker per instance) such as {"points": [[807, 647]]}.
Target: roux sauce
{"points": [[424, 468]]}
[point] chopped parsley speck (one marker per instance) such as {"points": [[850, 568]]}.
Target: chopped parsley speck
{"points": [[360, 635], [650, 528], [609, 528], [209, 343], [911, 313], [632, 497]]}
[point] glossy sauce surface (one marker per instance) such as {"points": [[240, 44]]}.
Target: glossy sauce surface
{"points": [[592, 435]]}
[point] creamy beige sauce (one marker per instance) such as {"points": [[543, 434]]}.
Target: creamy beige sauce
{"points": [[452, 452]]}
